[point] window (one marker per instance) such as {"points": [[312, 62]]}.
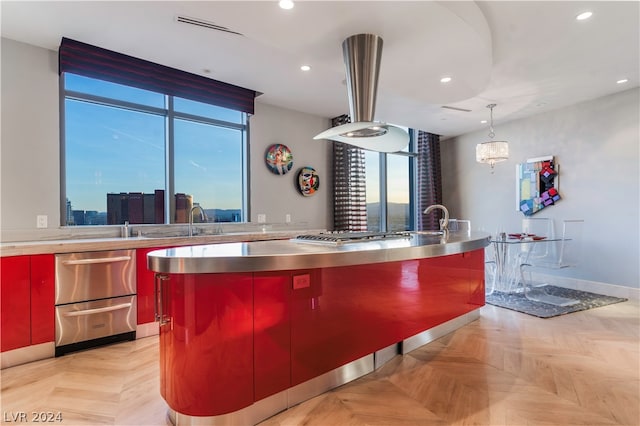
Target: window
{"points": [[391, 189], [145, 157]]}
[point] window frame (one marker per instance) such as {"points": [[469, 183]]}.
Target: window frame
{"points": [[170, 115], [412, 156]]}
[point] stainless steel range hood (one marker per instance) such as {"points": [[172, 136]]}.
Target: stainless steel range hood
{"points": [[362, 56]]}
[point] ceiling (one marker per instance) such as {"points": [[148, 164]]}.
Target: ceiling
{"points": [[526, 57]]}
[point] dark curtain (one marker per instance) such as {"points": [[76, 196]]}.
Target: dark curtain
{"points": [[349, 204], [429, 180], [95, 62]]}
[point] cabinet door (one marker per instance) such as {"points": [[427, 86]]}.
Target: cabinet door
{"points": [[15, 312], [42, 298], [271, 332], [475, 263], [207, 343], [144, 283]]}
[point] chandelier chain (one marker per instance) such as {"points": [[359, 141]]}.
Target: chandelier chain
{"points": [[492, 134]]}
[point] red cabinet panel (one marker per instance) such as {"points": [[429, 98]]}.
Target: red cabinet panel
{"points": [[349, 312], [144, 285], [42, 298], [475, 261], [208, 343], [232, 339], [15, 303], [271, 334]]}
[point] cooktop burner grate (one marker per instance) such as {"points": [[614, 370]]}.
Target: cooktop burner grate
{"points": [[337, 238]]}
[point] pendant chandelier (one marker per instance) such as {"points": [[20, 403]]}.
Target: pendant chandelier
{"points": [[492, 152]]}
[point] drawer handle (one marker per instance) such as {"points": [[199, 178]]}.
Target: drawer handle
{"points": [[98, 260], [97, 310]]}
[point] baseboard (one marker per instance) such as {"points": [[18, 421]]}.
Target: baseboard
{"points": [[590, 286], [27, 354], [438, 331]]}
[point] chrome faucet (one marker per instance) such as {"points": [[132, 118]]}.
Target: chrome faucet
{"points": [[203, 217], [444, 222]]}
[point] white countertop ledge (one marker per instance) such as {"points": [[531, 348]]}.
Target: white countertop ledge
{"points": [[73, 245]]}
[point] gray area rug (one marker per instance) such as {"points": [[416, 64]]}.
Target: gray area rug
{"points": [[518, 302]]}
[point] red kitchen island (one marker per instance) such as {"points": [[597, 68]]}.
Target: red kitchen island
{"points": [[250, 329]]}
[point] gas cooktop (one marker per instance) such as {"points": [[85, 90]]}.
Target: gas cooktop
{"points": [[337, 238]]}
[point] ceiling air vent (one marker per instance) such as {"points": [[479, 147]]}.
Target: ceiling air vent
{"points": [[205, 24], [455, 108]]}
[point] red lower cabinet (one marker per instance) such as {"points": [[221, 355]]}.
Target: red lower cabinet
{"points": [[42, 298], [27, 299], [474, 260], [207, 343], [231, 339], [349, 312], [15, 302], [271, 333]]}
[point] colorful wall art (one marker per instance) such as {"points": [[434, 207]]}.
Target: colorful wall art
{"points": [[536, 181], [279, 159], [308, 181]]}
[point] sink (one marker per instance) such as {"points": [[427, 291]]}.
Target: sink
{"points": [[179, 235]]}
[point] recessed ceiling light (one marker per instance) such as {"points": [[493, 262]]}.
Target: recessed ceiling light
{"points": [[483, 122], [445, 79], [305, 67], [622, 81], [286, 4], [583, 16]]}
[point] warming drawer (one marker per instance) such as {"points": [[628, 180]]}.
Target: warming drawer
{"points": [[95, 299], [82, 277], [80, 322]]}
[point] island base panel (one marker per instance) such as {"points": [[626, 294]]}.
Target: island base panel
{"points": [[263, 409], [272, 405], [348, 312], [231, 339]]}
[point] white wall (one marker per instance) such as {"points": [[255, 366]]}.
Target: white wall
{"points": [[29, 148], [596, 145], [276, 195], [30, 151]]}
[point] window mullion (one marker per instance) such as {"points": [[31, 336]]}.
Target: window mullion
{"points": [[169, 206], [384, 221], [413, 180]]}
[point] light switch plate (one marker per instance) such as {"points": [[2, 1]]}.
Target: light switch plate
{"points": [[262, 218]]}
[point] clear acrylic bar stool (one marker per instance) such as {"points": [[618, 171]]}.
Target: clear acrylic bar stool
{"points": [[566, 255]]}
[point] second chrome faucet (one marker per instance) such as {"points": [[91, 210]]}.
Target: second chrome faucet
{"points": [[444, 222], [203, 217]]}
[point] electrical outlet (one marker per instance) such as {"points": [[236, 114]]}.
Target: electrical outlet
{"points": [[301, 281], [262, 218], [41, 221], [287, 218]]}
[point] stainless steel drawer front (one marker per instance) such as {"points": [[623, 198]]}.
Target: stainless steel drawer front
{"points": [[79, 322], [94, 275]]}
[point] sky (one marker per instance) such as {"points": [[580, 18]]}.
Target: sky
{"points": [[112, 150]]}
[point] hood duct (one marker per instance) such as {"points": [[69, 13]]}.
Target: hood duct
{"points": [[362, 55]]}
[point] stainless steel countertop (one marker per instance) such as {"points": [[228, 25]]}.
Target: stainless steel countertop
{"points": [[289, 255]]}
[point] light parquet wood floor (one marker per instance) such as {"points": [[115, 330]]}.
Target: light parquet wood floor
{"points": [[506, 368]]}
